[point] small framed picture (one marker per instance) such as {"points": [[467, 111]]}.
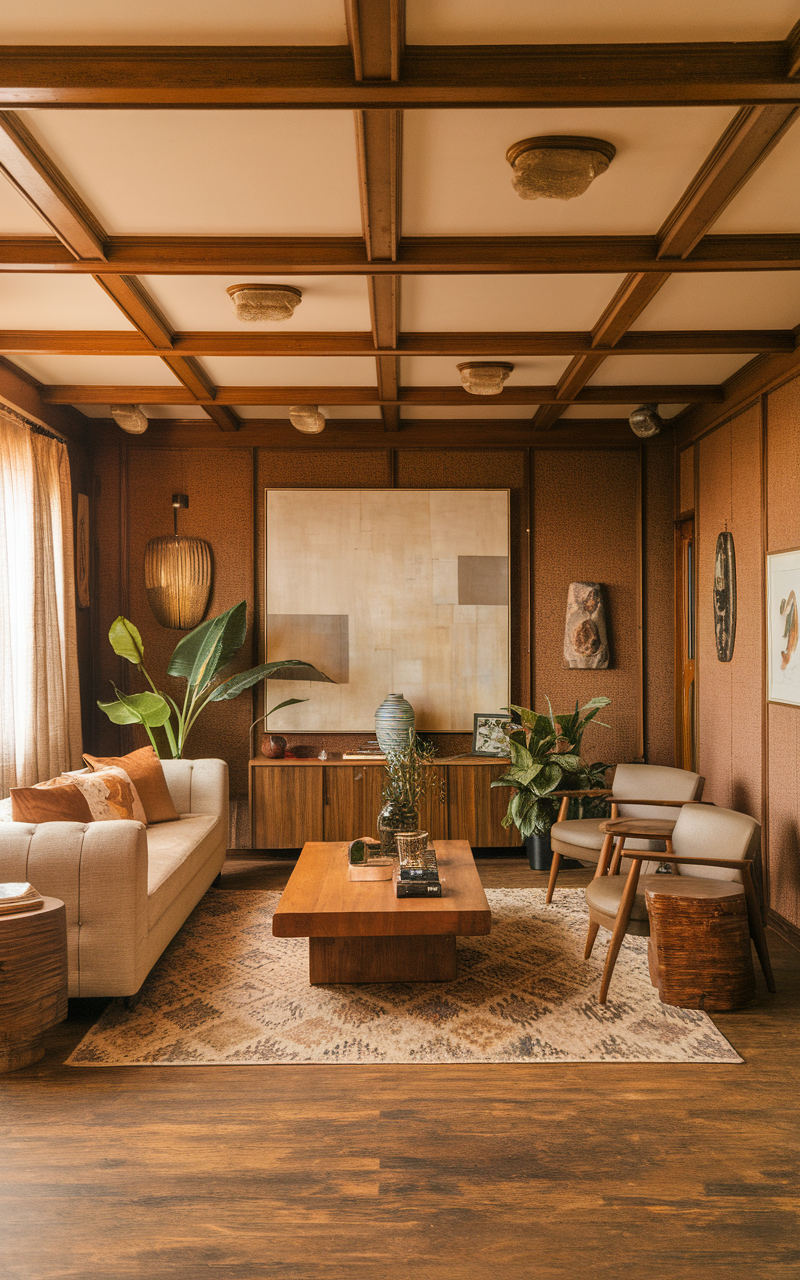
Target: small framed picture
{"points": [[490, 733], [783, 627]]}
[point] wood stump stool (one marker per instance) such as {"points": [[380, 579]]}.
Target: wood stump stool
{"points": [[33, 981], [699, 949]]}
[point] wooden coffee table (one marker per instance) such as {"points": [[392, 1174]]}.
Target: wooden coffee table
{"points": [[359, 931]]}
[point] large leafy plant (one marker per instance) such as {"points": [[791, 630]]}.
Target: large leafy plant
{"points": [[544, 759], [200, 659]]}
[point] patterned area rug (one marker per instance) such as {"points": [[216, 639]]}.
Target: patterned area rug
{"points": [[226, 991]]}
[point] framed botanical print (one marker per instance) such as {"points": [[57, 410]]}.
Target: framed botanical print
{"points": [[783, 654], [490, 733]]}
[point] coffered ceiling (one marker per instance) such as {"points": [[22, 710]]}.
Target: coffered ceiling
{"points": [[356, 150]]}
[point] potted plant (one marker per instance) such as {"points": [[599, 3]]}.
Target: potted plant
{"points": [[200, 658], [545, 759], [408, 775]]}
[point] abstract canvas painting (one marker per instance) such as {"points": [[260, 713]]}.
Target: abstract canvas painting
{"points": [[783, 655], [388, 591]]}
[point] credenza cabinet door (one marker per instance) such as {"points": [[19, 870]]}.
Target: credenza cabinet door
{"points": [[352, 801], [475, 809], [433, 806], [287, 807]]}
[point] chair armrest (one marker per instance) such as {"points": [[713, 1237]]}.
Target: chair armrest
{"points": [[576, 795], [733, 864], [664, 804]]}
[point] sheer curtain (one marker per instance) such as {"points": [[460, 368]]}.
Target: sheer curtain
{"points": [[40, 721]]}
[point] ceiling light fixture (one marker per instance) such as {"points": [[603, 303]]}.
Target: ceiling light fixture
{"points": [[646, 421], [559, 168], [264, 301], [483, 378], [308, 418], [177, 575], [130, 417]]}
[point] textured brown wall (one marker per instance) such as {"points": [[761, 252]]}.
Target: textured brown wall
{"points": [[686, 480], [783, 771], [730, 693], [586, 528], [587, 525]]}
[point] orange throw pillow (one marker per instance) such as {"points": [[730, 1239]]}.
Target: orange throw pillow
{"points": [[143, 767], [53, 803]]}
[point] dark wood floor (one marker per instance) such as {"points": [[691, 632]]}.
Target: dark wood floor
{"points": [[479, 1173]]}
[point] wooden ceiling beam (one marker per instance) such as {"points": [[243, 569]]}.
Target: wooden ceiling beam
{"points": [[47, 191], [223, 343], [134, 303], [193, 381], [416, 255], [153, 77]]}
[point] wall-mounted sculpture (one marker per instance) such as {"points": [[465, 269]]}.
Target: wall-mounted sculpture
{"points": [[725, 597], [585, 637]]}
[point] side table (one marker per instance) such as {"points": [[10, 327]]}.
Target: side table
{"points": [[699, 949], [33, 981]]}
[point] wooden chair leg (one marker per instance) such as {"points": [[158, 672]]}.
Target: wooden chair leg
{"points": [[551, 884], [590, 937], [757, 928], [613, 870], [605, 854], [620, 926]]}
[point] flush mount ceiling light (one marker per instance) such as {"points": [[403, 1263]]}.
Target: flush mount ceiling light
{"points": [[308, 418], [559, 168], [646, 421], [264, 301], [131, 417], [482, 378]]}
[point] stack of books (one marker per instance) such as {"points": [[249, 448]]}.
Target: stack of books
{"points": [[19, 897], [367, 751], [418, 876]]}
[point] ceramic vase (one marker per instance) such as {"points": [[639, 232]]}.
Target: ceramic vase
{"points": [[394, 720], [539, 851], [273, 746]]}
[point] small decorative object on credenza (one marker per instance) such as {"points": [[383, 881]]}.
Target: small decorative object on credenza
{"points": [[585, 638], [367, 751], [725, 597], [490, 733], [273, 745], [394, 720]]}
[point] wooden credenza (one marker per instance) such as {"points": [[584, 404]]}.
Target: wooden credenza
{"points": [[292, 801]]}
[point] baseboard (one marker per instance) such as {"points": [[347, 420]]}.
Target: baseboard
{"points": [[784, 927]]}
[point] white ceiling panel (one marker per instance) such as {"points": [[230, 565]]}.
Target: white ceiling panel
{"points": [[638, 370], [200, 302], [332, 412], [291, 371], [725, 300], [587, 22], [441, 371], [504, 303], [98, 370], [457, 181], [179, 22], [414, 412], [770, 201], [17, 218], [31, 301], [209, 172]]}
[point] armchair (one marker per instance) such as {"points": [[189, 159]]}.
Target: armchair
{"points": [[708, 845], [659, 792]]}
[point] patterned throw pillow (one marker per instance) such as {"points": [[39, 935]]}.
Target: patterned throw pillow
{"points": [[144, 769], [105, 796]]}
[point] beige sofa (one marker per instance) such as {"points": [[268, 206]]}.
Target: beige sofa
{"points": [[127, 888]]}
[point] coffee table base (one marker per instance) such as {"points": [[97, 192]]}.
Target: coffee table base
{"points": [[412, 958]]}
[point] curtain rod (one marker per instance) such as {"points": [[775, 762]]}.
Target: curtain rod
{"points": [[34, 426]]}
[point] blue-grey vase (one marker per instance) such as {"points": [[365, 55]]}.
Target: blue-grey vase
{"points": [[394, 719]]}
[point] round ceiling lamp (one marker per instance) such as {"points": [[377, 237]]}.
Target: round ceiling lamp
{"points": [[646, 421], [177, 576], [558, 168], [484, 378], [308, 418], [264, 301], [130, 417]]}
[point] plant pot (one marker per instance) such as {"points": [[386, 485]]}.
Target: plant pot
{"points": [[539, 852]]}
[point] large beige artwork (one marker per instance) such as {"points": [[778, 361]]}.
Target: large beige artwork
{"points": [[388, 591]]}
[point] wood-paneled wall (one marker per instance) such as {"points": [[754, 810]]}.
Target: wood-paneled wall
{"points": [[599, 513], [748, 482]]}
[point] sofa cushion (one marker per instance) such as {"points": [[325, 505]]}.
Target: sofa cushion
{"points": [[585, 833], [175, 853], [56, 801], [145, 772]]}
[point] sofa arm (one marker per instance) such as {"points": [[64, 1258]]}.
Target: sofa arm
{"points": [[99, 870], [198, 786]]}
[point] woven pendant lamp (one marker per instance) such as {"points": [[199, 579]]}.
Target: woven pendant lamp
{"points": [[177, 576]]}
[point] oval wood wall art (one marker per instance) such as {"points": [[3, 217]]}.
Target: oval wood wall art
{"points": [[725, 597], [585, 638]]}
